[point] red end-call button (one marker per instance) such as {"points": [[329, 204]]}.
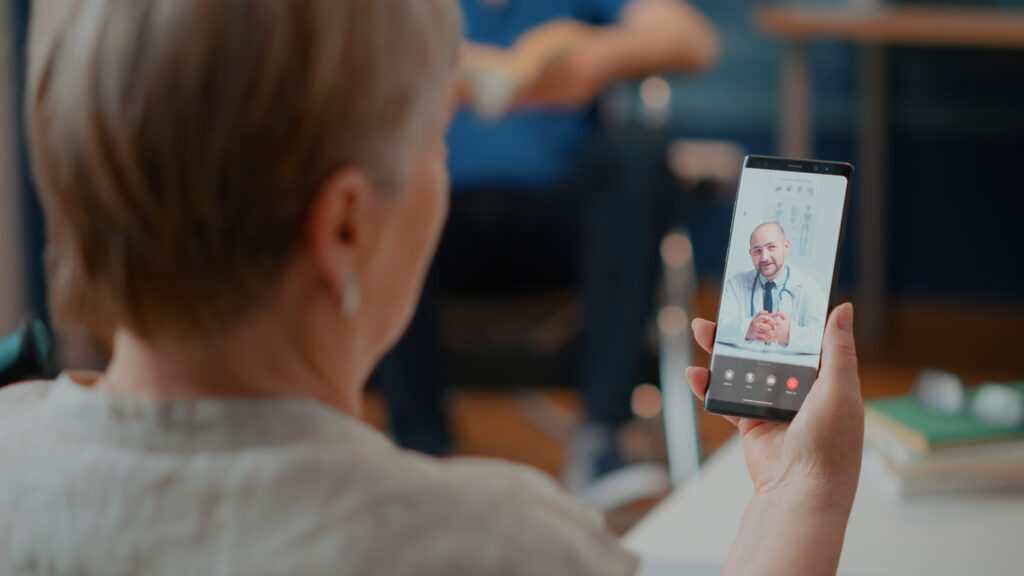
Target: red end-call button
{"points": [[792, 383]]}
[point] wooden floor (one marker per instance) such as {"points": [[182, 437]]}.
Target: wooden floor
{"points": [[976, 341]]}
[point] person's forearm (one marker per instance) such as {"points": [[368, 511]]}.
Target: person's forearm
{"points": [[566, 62], [654, 36], [790, 531]]}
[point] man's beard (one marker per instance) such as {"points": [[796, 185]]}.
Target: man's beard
{"points": [[770, 269]]}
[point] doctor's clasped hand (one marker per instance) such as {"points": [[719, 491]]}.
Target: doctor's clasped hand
{"points": [[769, 327]]}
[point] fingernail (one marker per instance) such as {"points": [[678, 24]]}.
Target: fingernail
{"points": [[845, 319]]}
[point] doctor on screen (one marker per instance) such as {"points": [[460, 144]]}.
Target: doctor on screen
{"points": [[774, 307]]}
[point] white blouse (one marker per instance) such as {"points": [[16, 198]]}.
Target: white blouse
{"points": [[95, 484]]}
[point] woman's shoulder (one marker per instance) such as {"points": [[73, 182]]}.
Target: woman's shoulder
{"points": [[19, 398], [432, 482], [339, 491], [484, 513]]}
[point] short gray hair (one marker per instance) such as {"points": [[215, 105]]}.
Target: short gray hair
{"points": [[177, 144]]}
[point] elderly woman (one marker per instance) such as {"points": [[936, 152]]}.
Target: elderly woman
{"points": [[243, 198]]}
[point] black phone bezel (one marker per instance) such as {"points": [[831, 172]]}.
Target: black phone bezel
{"points": [[827, 167]]}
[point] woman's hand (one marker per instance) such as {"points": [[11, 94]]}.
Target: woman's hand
{"points": [[821, 447], [804, 472]]}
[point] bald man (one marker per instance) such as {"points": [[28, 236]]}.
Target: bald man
{"points": [[774, 307]]}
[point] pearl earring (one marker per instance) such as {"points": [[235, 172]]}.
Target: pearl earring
{"points": [[351, 296]]}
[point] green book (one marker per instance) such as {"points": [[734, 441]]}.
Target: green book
{"points": [[924, 430]]}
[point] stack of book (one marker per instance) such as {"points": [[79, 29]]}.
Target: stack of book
{"points": [[912, 450]]}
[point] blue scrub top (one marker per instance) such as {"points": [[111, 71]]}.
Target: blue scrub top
{"points": [[525, 150]]}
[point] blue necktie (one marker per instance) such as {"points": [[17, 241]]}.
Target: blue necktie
{"points": [[768, 287]]}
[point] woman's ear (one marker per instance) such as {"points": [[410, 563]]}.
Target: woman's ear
{"points": [[337, 225]]}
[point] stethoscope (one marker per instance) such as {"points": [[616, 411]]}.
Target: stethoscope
{"points": [[782, 290]]}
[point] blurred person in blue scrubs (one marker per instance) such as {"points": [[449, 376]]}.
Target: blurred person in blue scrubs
{"points": [[542, 194]]}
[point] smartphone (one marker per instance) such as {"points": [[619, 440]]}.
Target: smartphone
{"points": [[787, 232]]}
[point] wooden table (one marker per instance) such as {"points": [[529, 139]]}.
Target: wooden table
{"points": [[873, 29]]}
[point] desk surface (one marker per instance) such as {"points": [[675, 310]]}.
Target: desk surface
{"points": [[911, 25], [966, 534]]}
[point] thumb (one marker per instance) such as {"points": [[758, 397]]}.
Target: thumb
{"points": [[839, 355]]}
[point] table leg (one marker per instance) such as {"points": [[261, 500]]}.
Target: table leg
{"points": [[795, 133], [675, 343], [873, 217]]}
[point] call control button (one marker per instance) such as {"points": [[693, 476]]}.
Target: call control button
{"points": [[770, 380], [729, 375], [750, 378], [792, 383]]}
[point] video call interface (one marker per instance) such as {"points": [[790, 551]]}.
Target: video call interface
{"points": [[775, 294]]}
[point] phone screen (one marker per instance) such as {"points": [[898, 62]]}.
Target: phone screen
{"points": [[781, 264]]}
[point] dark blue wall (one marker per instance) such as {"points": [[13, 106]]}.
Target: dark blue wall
{"points": [[956, 127], [31, 213], [956, 194]]}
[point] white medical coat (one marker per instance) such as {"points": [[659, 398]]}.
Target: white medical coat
{"points": [[803, 301]]}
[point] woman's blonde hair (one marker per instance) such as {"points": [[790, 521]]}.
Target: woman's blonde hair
{"points": [[177, 144]]}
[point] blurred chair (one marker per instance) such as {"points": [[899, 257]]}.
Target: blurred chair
{"points": [[528, 341], [27, 353]]}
